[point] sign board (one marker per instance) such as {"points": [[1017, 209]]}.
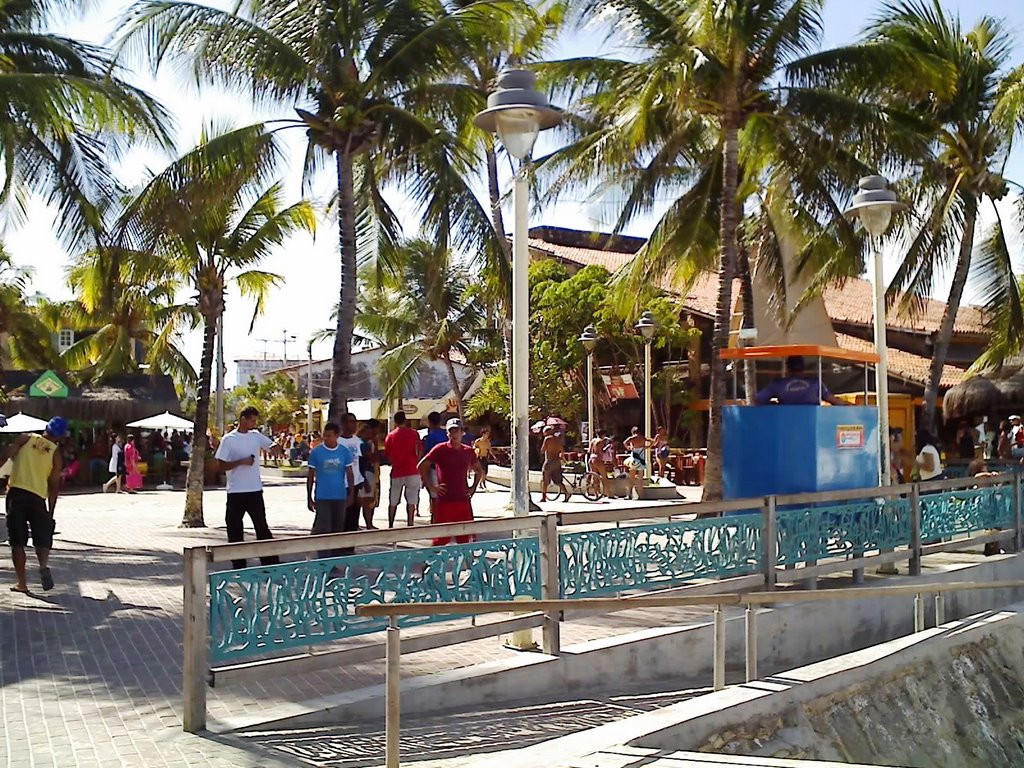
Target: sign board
{"points": [[850, 436], [620, 386], [585, 432], [48, 385]]}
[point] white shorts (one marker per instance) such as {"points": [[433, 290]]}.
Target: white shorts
{"points": [[368, 490], [410, 485]]}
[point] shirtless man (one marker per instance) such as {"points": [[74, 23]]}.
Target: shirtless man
{"points": [[552, 470], [602, 459]]}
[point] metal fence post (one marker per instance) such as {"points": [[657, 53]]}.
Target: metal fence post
{"points": [[918, 612], [769, 541], [719, 669], [915, 530], [940, 609], [550, 583], [393, 688], [194, 618], [1018, 513], [751, 643]]}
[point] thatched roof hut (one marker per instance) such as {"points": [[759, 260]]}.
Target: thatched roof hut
{"points": [[111, 403], [976, 396]]}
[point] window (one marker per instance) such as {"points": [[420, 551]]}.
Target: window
{"points": [[65, 340]]}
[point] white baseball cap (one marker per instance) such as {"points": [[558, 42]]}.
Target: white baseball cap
{"points": [[452, 424]]}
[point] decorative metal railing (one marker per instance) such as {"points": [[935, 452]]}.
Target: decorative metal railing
{"points": [[841, 530], [965, 511], [254, 611], [659, 555], [235, 616]]}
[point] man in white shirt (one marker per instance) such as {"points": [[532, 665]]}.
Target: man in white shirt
{"points": [[236, 456], [354, 443]]}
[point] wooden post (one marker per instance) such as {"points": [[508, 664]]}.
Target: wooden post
{"points": [[940, 609], [769, 533], [550, 585], [751, 643], [719, 671], [194, 618], [918, 612], [1018, 513], [915, 530], [393, 685]]}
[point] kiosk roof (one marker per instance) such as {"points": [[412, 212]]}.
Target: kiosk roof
{"points": [[804, 350]]}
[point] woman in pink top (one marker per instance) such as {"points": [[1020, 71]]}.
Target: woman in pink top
{"points": [[131, 465]]}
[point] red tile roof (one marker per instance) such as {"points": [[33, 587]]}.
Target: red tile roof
{"points": [[850, 302], [905, 365]]}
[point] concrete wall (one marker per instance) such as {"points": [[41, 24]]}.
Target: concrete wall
{"points": [[789, 636]]}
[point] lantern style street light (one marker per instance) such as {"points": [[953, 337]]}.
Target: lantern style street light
{"points": [[647, 325], [873, 206], [589, 340], [517, 112]]}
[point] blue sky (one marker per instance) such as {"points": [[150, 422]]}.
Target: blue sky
{"points": [[303, 305]]}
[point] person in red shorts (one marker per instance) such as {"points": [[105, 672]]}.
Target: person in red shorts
{"points": [[452, 461]]}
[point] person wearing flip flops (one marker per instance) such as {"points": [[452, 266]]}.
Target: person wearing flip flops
{"points": [[31, 497]]}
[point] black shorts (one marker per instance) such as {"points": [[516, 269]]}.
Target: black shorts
{"points": [[27, 511]]}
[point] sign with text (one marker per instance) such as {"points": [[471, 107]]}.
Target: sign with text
{"points": [[48, 385], [620, 386], [850, 436]]}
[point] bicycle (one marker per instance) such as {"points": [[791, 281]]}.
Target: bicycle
{"points": [[579, 479]]}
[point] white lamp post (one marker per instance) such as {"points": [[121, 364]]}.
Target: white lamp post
{"points": [[589, 340], [309, 390], [517, 113], [873, 206], [647, 325]]}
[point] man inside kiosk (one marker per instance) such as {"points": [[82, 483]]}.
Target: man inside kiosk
{"points": [[796, 389]]}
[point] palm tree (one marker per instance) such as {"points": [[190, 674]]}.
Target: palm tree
{"points": [[67, 112], [353, 72], [134, 309], [713, 116], [25, 339], [969, 127], [427, 312], [212, 216]]}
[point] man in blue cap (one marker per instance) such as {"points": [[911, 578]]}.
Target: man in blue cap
{"points": [[32, 496]]}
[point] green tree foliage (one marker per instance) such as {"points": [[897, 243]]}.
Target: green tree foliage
{"points": [[353, 77], [562, 305], [211, 217], [25, 340], [421, 309], [277, 398], [67, 113], [125, 300]]}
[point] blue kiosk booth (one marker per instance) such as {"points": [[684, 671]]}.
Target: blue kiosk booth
{"points": [[784, 449]]}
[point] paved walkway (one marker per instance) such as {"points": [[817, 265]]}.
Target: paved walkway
{"points": [[90, 673]]}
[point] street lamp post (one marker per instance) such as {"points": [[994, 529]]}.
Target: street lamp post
{"points": [[517, 112], [647, 325], [589, 340], [309, 390], [873, 206]]}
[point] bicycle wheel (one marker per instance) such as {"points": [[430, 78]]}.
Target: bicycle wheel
{"points": [[590, 486]]}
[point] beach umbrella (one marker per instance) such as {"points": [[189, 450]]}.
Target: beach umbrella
{"points": [[165, 420], [22, 422]]}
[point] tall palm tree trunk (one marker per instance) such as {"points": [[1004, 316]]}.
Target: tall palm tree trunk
{"points": [[197, 462], [713, 489], [341, 368], [956, 291], [456, 388]]}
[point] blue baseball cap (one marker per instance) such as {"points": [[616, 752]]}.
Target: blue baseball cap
{"points": [[57, 426]]}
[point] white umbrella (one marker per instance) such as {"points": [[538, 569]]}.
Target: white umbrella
{"points": [[23, 423], [165, 420]]}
